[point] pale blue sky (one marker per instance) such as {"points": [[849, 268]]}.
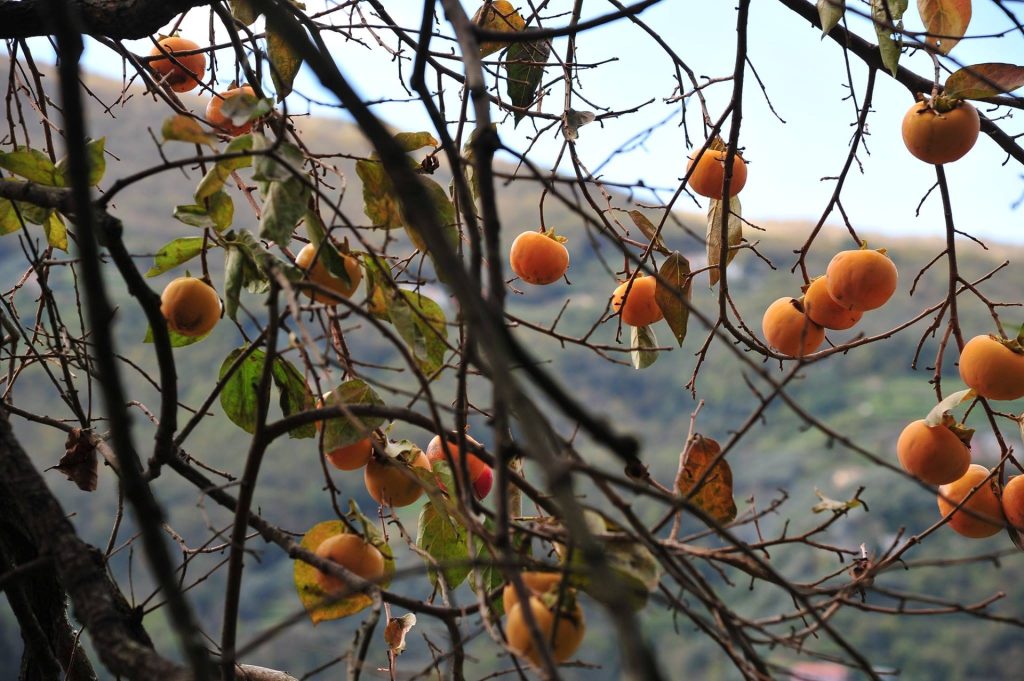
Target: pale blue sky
{"points": [[804, 77]]}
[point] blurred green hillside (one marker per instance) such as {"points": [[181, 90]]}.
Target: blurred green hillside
{"points": [[868, 394]]}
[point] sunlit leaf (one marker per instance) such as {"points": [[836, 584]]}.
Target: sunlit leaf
{"points": [[984, 80], [673, 294], [413, 141], [830, 12], [642, 342], [97, 159], [33, 165], [714, 234], [497, 16], [9, 221], [215, 178], [935, 416], [174, 253], [56, 231], [827, 504], [947, 19]]}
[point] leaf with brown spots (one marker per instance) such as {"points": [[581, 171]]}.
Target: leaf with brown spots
{"points": [[714, 495], [79, 462]]}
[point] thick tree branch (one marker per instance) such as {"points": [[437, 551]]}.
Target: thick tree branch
{"points": [[109, 18]]}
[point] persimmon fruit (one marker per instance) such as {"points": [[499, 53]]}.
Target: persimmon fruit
{"points": [[824, 311], [353, 553], [932, 454], [994, 370], [536, 583], [562, 631], [539, 257], [638, 307], [986, 517], [182, 73], [351, 457], [937, 136], [1013, 501], [708, 178], [861, 279], [480, 474], [391, 486], [787, 329], [190, 306], [219, 120], [318, 274]]}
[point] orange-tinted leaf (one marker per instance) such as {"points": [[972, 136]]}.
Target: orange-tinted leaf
{"points": [[714, 496], [312, 597], [395, 631], [497, 16], [673, 293], [945, 20], [984, 80]]}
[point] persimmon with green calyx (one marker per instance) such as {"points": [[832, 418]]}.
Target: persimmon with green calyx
{"points": [[222, 122], [182, 73], [941, 130], [861, 279], [708, 177], [536, 583], [638, 306], [190, 306], [1013, 502], [824, 311], [562, 630], [388, 484], [994, 367], [986, 511], [318, 274], [539, 257], [933, 454], [481, 476], [353, 553], [347, 457], [788, 330]]}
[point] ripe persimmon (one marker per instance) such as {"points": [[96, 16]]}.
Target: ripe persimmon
{"points": [[351, 457], [539, 257], [222, 122], [319, 275], [1013, 501], [986, 512], [994, 367], [353, 553], [708, 178], [536, 583], [391, 486], [640, 307], [480, 474], [182, 73], [787, 329], [937, 134], [824, 311], [933, 454], [190, 306], [861, 279], [562, 631]]}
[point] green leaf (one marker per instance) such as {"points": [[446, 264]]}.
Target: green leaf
{"points": [[341, 431], [244, 11], [673, 295], [56, 231], [221, 209], [642, 342], [984, 80], [379, 202], [444, 212], [830, 12], [421, 324], [443, 539], [239, 398], [236, 272], [177, 340], [524, 67], [714, 234], [284, 204], [9, 221], [305, 575], [284, 63], [96, 158], [33, 165], [946, 18], [294, 394], [884, 13], [37, 215], [285, 164], [244, 107], [215, 178], [174, 253], [180, 128], [379, 286]]}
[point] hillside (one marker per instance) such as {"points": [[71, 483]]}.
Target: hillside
{"points": [[869, 394]]}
